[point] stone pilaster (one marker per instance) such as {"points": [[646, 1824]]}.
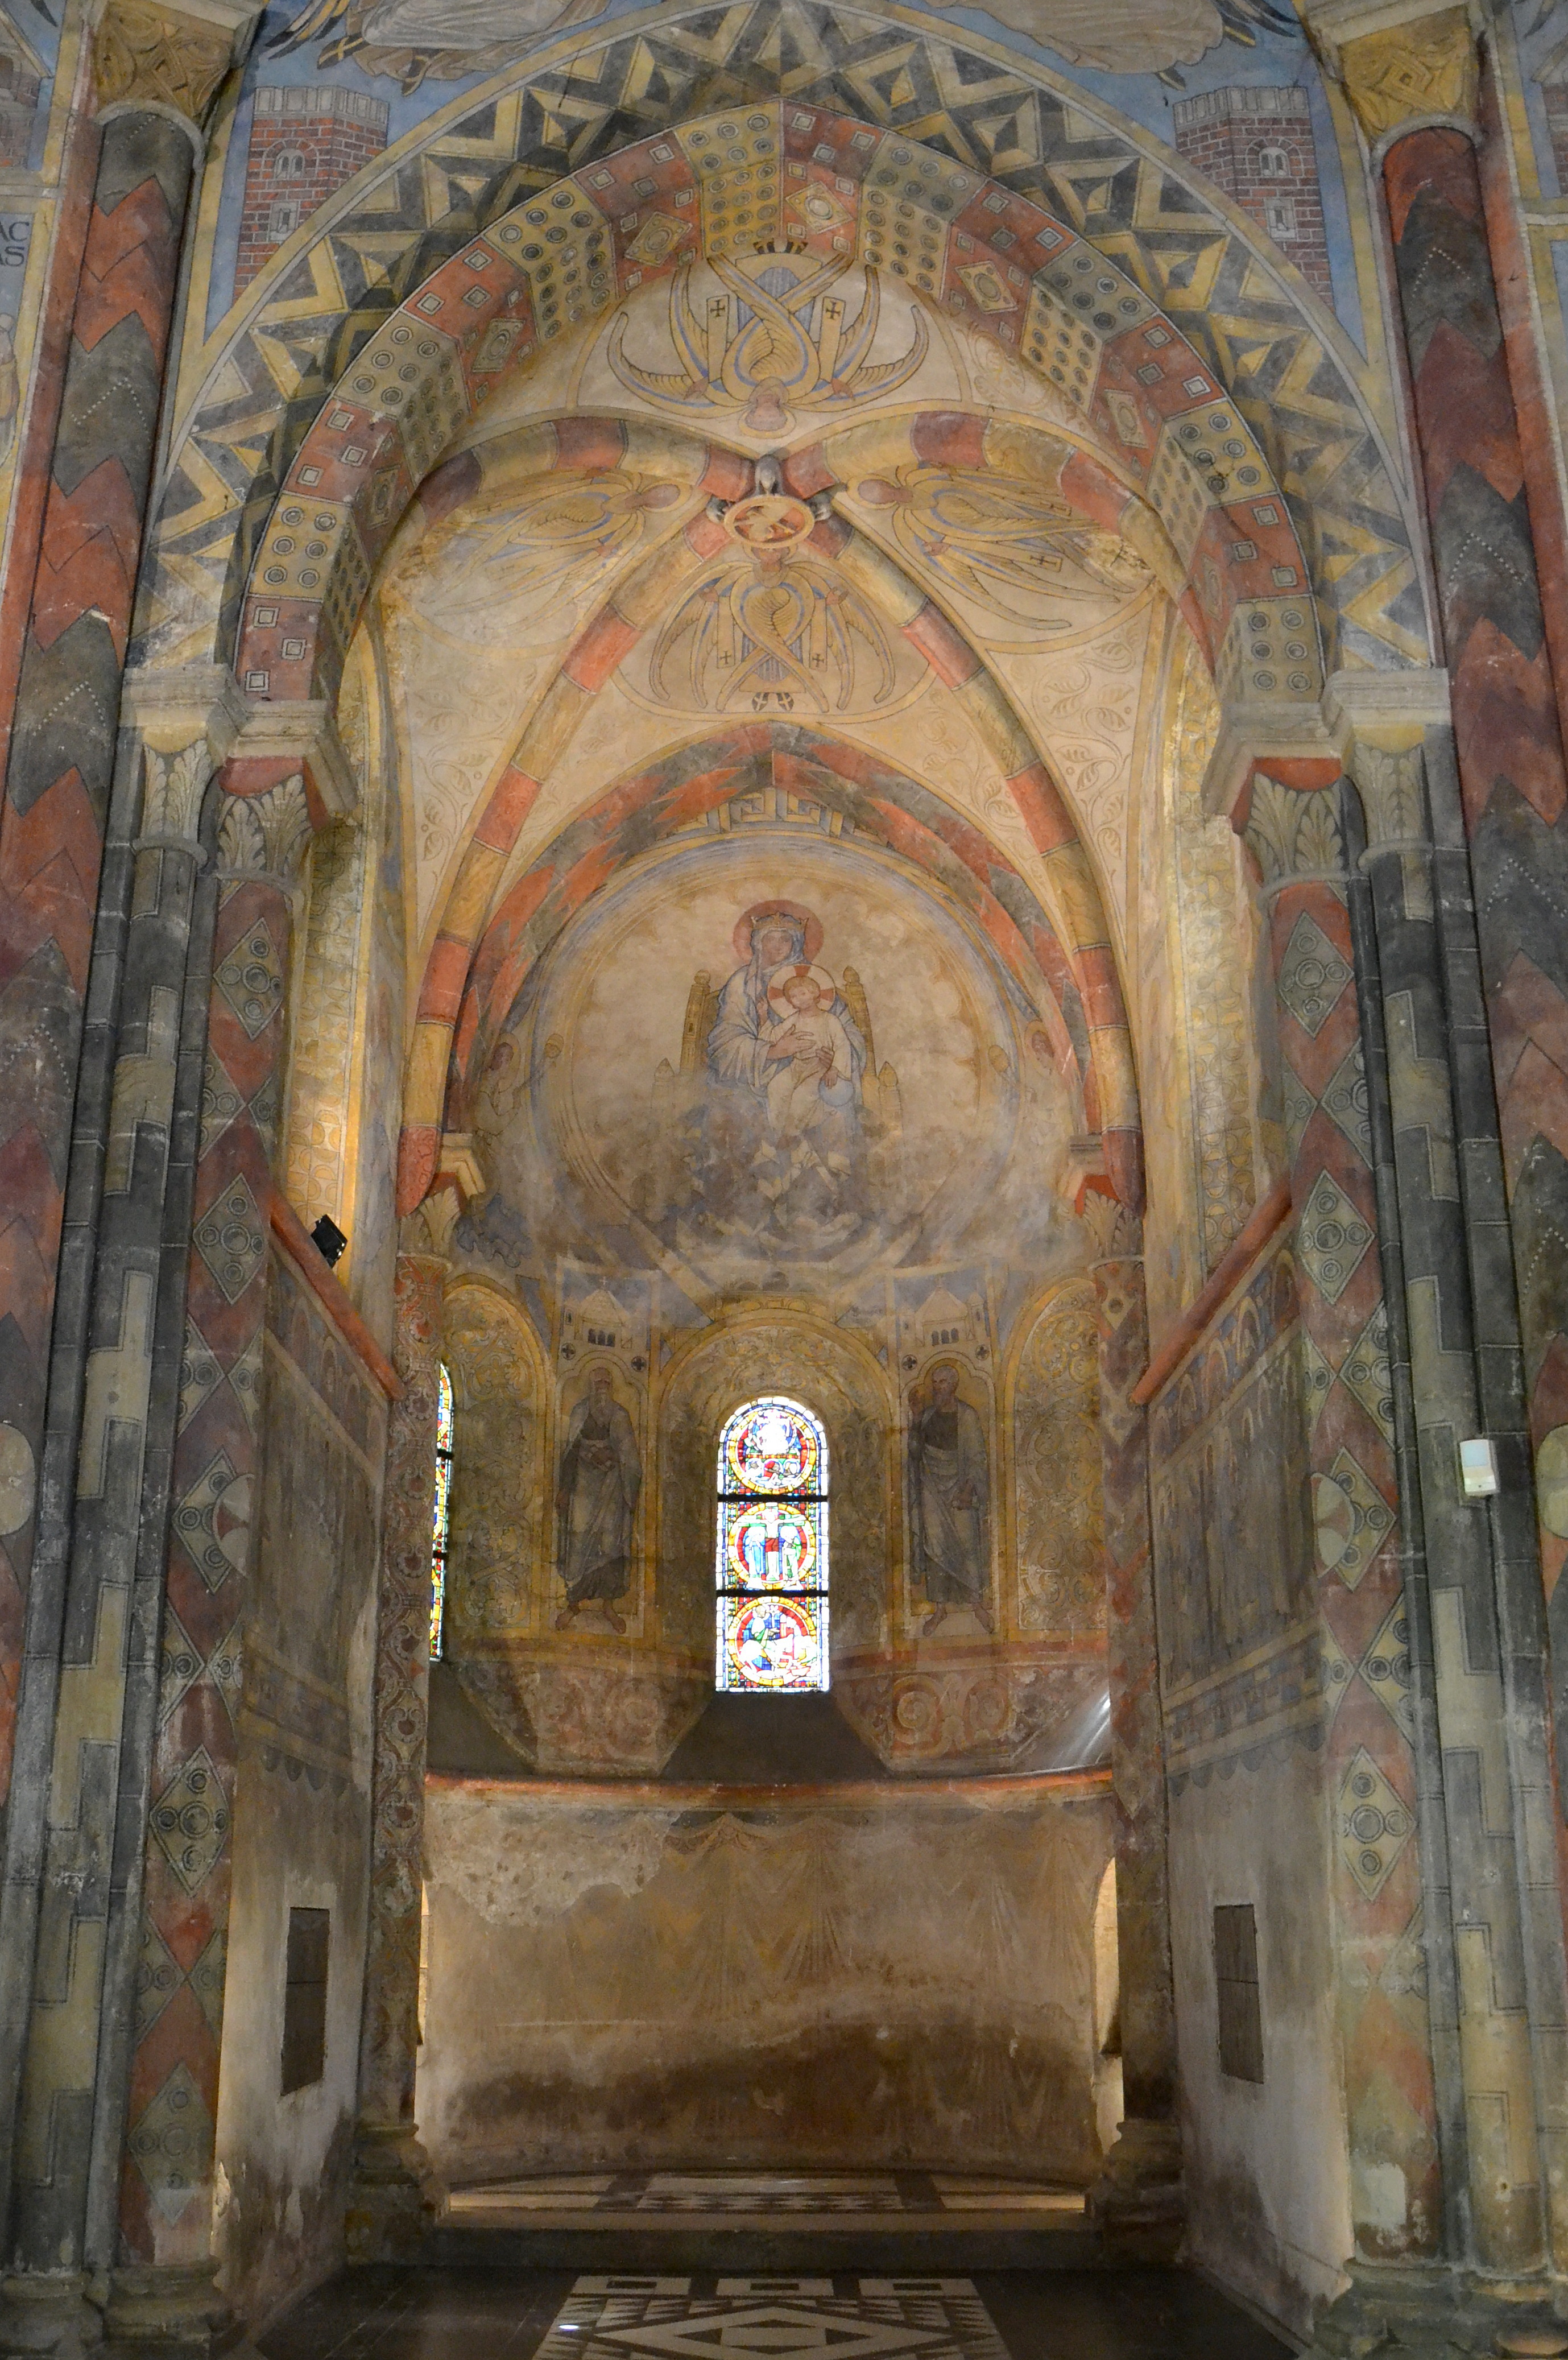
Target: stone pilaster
{"points": [[1413, 84], [1476, 1587], [395, 2195], [1289, 811], [161, 2291], [75, 1835], [1139, 2193], [55, 814]]}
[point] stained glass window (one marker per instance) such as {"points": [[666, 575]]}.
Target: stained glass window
{"points": [[771, 1572], [441, 1522]]}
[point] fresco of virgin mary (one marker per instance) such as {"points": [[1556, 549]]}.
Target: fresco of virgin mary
{"points": [[781, 1154]]}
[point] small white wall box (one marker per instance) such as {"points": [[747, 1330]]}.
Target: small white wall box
{"points": [[1478, 1467]]}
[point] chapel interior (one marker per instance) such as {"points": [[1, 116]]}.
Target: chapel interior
{"points": [[783, 1178]]}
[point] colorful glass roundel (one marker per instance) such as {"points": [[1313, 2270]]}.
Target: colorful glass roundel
{"points": [[772, 1562], [773, 1445]]}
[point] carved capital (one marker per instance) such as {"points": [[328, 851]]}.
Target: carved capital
{"points": [[166, 56], [187, 719], [266, 835], [1294, 834], [1380, 722], [1115, 1232], [425, 1234], [1412, 70]]}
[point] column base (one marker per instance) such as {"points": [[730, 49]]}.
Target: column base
{"points": [[1436, 2315], [48, 2312], [397, 2195], [173, 2312], [1139, 2202]]}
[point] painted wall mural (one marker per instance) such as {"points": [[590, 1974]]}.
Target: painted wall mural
{"points": [[771, 1114]]}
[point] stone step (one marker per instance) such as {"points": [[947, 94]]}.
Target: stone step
{"points": [[485, 2231]]}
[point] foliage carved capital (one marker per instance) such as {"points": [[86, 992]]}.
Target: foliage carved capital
{"points": [[169, 57]]}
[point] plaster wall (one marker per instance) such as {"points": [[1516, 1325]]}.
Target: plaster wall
{"points": [[1267, 2166], [302, 1804], [905, 1979]]}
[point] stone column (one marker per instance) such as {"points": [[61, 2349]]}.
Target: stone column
{"points": [[1140, 2192], [153, 87], [285, 775], [78, 1813], [1414, 88], [1472, 1594], [395, 2195], [1288, 812]]}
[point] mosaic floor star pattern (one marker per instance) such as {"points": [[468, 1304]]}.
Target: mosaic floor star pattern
{"points": [[612, 2317], [434, 2313]]}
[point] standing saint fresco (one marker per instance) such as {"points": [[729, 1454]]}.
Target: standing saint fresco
{"points": [[782, 1152], [950, 1495], [595, 1498]]}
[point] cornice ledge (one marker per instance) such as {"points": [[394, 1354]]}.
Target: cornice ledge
{"points": [[305, 734], [1253, 731]]}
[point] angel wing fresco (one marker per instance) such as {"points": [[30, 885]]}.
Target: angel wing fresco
{"points": [[1155, 36], [410, 41]]}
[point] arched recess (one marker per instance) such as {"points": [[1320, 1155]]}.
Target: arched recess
{"points": [[1162, 245], [790, 1349], [1051, 1476], [1077, 912], [500, 1400]]}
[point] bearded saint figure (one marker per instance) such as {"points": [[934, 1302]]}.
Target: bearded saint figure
{"points": [[949, 1496]]}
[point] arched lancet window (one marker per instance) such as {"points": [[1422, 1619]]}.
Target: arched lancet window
{"points": [[441, 1522], [772, 1563], [288, 164]]}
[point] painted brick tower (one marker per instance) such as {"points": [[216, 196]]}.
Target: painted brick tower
{"points": [[1258, 145], [304, 144]]}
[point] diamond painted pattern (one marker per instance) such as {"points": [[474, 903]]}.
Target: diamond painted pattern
{"points": [[231, 1240], [251, 980], [1311, 975], [1344, 1101], [213, 1521], [1374, 1825], [191, 1820], [1351, 1517], [1367, 1373], [1386, 1668], [180, 1668], [220, 1102], [1331, 1238], [199, 1373], [171, 2143]]}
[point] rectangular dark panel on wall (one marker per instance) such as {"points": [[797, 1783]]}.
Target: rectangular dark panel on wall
{"points": [[305, 1999], [1235, 1983]]}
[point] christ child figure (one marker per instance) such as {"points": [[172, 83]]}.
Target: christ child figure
{"points": [[812, 1050]]}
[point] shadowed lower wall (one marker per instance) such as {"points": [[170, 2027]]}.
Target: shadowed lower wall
{"points": [[848, 1983]]}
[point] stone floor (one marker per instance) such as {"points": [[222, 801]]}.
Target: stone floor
{"points": [[480, 2315]]}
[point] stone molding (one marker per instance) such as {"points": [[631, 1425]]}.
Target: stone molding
{"points": [[305, 737], [1387, 709], [1253, 733]]}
